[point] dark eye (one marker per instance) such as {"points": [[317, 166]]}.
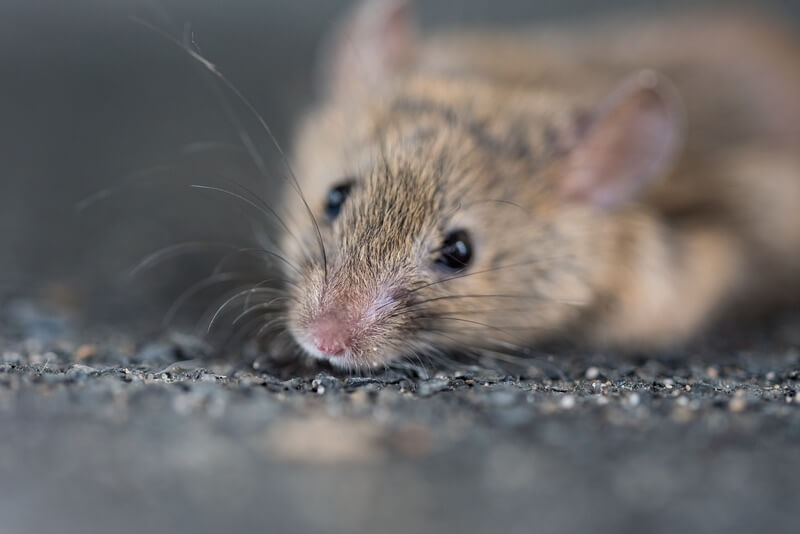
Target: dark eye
{"points": [[336, 198], [456, 251]]}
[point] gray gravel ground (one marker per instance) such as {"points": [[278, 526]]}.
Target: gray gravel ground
{"points": [[103, 434]]}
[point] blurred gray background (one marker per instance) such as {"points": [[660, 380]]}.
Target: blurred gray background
{"points": [[87, 97]]}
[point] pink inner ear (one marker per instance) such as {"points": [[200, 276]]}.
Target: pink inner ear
{"points": [[400, 33], [629, 144], [378, 39]]}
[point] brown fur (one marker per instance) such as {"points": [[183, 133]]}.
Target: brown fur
{"points": [[475, 134]]}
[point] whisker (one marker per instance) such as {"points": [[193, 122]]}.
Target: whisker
{"points": [[465, 275], [482, 271], [512, 332], [178, 249], [266, 210], [269, 324], [128, 181], [194, 289], [503, 329], [210, 67], [500, 201], [458, 313], [523, 356], [237, 295], [218, 268], [256, 251], [165, 253], [206, 146], [262, 306], [411, 307], [244, 330], [527, 361], [259, 285], [449, 362], [266, 206]]}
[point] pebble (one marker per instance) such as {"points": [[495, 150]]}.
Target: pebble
{"points": [[84, 352], [12, 357], [324, 382], [737, 404], [80, 368], [429, 387]]}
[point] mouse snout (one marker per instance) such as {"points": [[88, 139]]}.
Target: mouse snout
{"points": [[346, 327], [331, 334]]}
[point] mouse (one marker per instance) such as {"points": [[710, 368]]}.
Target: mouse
{"points": [[620, 184]]}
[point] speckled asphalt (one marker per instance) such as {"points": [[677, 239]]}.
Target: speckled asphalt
{"points": [[103, 433]]}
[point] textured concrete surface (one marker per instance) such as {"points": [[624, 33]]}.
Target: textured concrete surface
{"points": [[104, 433]]}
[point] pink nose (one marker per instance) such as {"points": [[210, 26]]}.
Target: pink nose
{"points": [[330, 335]]}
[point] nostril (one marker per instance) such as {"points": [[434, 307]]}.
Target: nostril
{"points": [[330, 335]]}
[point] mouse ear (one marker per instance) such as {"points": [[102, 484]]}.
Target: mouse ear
{"points": [[378, 39], [629, 142]]}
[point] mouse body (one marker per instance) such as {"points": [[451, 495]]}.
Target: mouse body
{"points": [[616, 184]]}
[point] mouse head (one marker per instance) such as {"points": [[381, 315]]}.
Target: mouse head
{"points": [[453, 214]]}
